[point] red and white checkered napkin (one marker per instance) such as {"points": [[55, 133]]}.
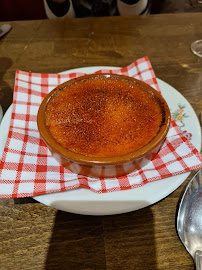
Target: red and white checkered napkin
{"points": [[27, 167]]}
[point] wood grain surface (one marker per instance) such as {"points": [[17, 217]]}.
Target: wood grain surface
{"points": [[35, 236]]}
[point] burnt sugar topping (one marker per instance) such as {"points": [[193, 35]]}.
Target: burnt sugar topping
{"points": [[103, 117]]}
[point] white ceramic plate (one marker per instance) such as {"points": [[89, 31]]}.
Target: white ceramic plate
{"points": [[84, 201]]}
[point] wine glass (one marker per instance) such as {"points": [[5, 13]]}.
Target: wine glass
{"points": [[196, 47]]}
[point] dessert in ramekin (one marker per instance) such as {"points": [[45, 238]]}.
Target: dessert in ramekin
{"points": [[103, 125]]}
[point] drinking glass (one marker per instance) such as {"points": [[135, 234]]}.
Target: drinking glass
{"points": [[196, 47]]}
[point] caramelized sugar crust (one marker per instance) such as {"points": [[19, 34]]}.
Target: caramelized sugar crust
{"points": [[103, 117]]}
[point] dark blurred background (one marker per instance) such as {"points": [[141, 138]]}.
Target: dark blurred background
{"points": [[34, 9]]}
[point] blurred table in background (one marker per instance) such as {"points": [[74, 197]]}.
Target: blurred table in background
{"points": [[35, 236]]}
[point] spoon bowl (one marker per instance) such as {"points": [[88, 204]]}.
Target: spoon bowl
{"points": [[1, 113], [189, 219], [4, 29]]}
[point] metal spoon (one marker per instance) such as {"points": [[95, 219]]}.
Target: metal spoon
{"points": [[1, 113], [189, 219], [4, 29]]}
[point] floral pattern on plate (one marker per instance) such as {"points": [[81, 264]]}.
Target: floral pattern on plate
{"points": [[179, 116]]}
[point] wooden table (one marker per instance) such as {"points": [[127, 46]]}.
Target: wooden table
{"points": [[34, 236]]}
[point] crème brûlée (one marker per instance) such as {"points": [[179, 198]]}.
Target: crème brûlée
{"points": [[103, 117]]}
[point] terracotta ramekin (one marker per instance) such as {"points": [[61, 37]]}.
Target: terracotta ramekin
{"points": [[104, 166]]}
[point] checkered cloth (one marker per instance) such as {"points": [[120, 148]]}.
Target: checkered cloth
{"points": [[27, 167]]}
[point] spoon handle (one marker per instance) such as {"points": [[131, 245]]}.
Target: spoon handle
{"points": [[198, 259]]}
